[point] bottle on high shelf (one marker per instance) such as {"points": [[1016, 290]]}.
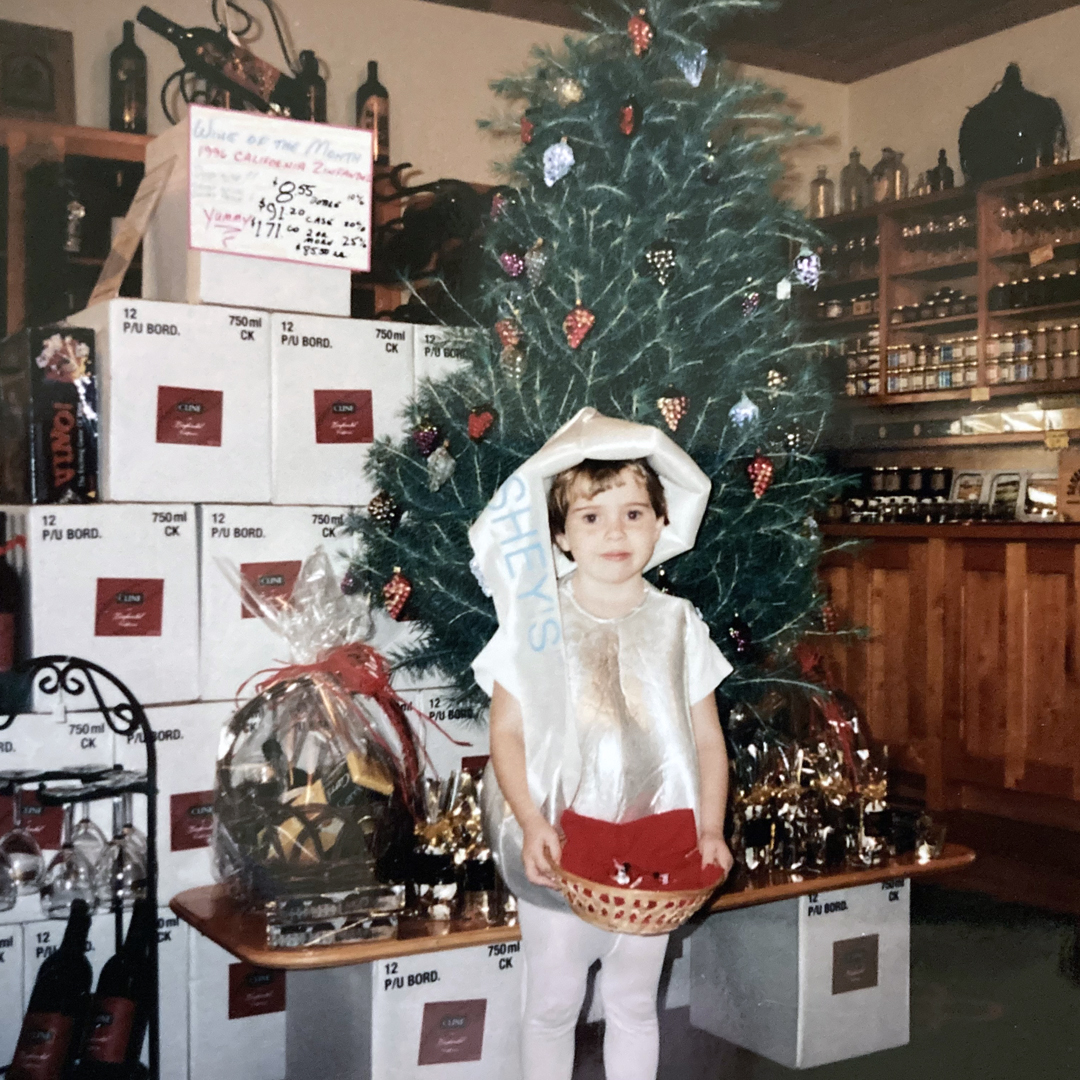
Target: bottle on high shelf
{"points": [[53, 1026], [118, 1017], [312, 89], [373, 112], [212, 56], [127, 85]]}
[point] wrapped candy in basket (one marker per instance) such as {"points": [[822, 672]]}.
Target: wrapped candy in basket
{"points": [[317, 785]]}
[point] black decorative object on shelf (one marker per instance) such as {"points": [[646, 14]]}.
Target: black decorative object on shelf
{"points": [[1011, 130], [75, 678]]}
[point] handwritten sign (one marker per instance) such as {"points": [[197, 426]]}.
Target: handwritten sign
{"points": [[280, 189]]}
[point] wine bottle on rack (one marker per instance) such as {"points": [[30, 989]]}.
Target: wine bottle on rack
{"points": [[373, 113], [52, 1029], [213, 57], [118, 1017], [127, 85]]}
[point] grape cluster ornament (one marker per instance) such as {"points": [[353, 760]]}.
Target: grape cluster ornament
{"points": [[512, 361], [440, 466], [751, 302], [568, 91], [527, 129], [673, 407], [384, 510], [739, 635], [558, 161], [641, 33], [498, 205], [577, 324], [535, 262], [512, 263], [629, 117], [509, 333], [425, 437], [760, 471], [660, 260], [395, 593]]}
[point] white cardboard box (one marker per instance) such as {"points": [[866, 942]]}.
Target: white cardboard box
{"points": [[338, 384], [42, 938], [172, 995], [441, 1016], [172, 271], [237, 1018], [11, 989], [465, 723], [267, 545], [118, 585], [438, 351], [185, 401], [186, 739], [810, 980]]}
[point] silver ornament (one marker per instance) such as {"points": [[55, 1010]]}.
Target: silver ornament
{"points": [[692, 65], [535, 261], [558, 161], [440, 467], [744, 411]]}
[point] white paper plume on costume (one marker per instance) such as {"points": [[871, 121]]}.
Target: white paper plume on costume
{"points": [[517, 561]]}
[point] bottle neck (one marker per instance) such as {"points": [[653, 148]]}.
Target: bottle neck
{"points": [[77, 929], [373, 71], [129, 32], [160, 25]]}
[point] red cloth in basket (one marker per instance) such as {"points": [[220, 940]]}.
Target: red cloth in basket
{"points": [[658, 852]]}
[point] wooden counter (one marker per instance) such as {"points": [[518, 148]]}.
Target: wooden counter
{"points": [[212, 912], [971, 668]]}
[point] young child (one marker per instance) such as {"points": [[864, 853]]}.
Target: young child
{"points": [[602, 702]]}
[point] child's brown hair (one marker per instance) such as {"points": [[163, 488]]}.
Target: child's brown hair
{"points": [[596, 476]]}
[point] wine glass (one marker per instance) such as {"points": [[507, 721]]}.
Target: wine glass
{"points": [[121, 871], [22, 851], [87, 838], [69, 876], [9, 891], [136, 837]]}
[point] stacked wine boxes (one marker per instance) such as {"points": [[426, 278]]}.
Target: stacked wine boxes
{"points": [[233, 442]]}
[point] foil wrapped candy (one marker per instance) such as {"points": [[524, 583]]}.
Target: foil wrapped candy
{"points": [[317, 785]]}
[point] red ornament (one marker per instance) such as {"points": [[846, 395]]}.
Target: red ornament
{"points": [[760, 471], [508, 332], [527, 129], [481, 421], [395, 592], [512, 263], [641, 33], [425, 437], [830, 621], [673, 407], [577, 324], [628, 117]]}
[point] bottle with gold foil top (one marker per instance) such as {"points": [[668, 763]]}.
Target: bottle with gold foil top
{"points": [[373, 113]]}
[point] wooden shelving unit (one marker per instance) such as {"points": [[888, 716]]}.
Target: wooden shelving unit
{"points": [[905, 278]]}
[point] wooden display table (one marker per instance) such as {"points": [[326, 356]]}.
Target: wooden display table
{"points": [[212, 912]]}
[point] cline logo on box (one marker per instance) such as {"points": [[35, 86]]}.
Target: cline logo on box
{"points": [[269, 580], [129, 607], [343, 416], [189, 417], [452, 1031]]}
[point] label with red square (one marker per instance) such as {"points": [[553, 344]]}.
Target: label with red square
{"points": [[188, 416], [343, 416], [452, 1031], [191, 820], [43, 823], [269, 580], [129, 607], [255, 991]]}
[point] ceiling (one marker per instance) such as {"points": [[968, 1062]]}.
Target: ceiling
{"points": [[838, 40]]}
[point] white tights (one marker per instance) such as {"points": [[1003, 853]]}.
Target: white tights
{"points": [[559, 950]]}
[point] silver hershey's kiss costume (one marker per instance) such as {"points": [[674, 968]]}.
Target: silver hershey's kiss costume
{"points": [[605, 703]]}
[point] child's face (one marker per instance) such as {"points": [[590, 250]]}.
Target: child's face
{"points": [[612, 534]]}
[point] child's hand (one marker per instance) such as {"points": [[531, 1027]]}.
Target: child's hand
{"points": [[715, 852], [541, 852]]}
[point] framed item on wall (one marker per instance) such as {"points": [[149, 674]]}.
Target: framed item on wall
{"points": [[37, 73]]}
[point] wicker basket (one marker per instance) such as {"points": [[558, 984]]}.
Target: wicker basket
{"points": [[631, 911]]}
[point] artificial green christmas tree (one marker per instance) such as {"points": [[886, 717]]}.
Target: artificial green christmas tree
{"points": [[633, 261]]}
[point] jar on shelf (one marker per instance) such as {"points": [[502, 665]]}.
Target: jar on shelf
{"points": [[856, 190], [1006, 370], [1071, 287], [942, 305], [834, 308], [1040, 368], [1055, 341], [896, 316], [1055, 293], [1072, 365], [1040, 341], [944, 377], [1040, 290], [1022, 369], [1019, 294], [861, 305], [875, 303], [822, 195], [997, 299], [918, 379], [1008, 346], [926, 309], [1024, 346], [892, 357], [1072, 337], [851, 385], [922, 356], [903, 381], [1059, 367], [971, 372], [873, 384], [892, 382], [893, 480], [873, 337], [971, 347]]}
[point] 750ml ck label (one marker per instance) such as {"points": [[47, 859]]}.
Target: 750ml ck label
{"points": [[343, 416], [189, 417], [129, 607]]}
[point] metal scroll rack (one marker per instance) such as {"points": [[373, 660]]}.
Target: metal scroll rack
{"points": [[56, 787]]}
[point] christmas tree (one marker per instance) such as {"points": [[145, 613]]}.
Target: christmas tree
{"points": [[632, 264]]}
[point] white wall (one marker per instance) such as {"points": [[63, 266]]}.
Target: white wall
{"points": [[918, 108], [435, 60]]}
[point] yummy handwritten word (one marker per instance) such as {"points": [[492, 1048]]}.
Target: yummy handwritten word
{"points": [[526, 562]]}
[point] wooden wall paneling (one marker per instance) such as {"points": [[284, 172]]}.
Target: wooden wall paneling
{"points": [[1017, 666], [954, 685], [934, 680], [1072, 660], [836, 581]]}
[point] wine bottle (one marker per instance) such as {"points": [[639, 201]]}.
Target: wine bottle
{"points": [[52, 1029], [127, 85], [213, 57], [373, 113], [312, 89], [119, 1015]]}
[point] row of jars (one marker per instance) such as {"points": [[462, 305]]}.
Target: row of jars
{"points": [[854, 257], [949, 233], [946, 303], [865, 304], [1023, 213], [1061, 288]]}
